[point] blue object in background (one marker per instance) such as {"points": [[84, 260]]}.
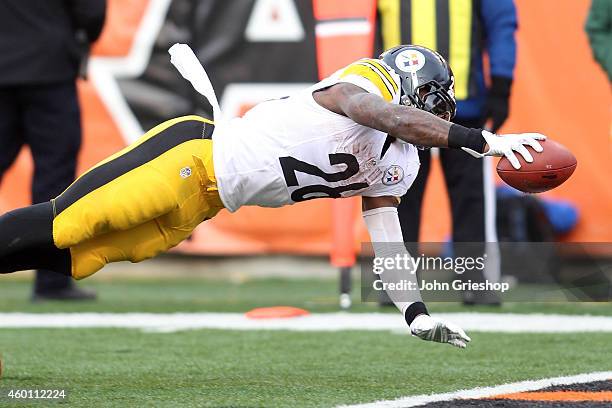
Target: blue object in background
{"points": [[562, 214]]}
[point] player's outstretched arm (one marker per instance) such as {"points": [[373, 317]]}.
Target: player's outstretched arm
{"points": [[421, 128], [380, 215], [404, 122]]}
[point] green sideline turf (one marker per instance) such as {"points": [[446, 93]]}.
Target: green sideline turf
{"points": [[128, 368], [194, 295], [111, 367]]}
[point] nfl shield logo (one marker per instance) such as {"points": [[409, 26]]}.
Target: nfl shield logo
{"points": [[393, 175], [185, 172]]}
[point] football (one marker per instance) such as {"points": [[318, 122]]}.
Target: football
{"points": [[549, 169]]}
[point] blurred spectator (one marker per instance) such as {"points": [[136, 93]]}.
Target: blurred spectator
{"points": [[43, 48], [599, 30], [461, 31]]}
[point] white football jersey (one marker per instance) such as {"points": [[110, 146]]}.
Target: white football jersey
{"points": [[292, 149]]}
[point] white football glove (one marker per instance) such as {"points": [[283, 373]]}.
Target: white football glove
{"points": [[428, 328], [506, 145]]}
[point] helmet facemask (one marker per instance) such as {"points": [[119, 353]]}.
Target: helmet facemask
{"points": [[427, 81], [433, 98]]}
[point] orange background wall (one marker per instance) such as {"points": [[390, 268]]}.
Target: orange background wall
{"points": [[558, 91]]}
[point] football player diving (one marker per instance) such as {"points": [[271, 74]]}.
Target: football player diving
{"points": [[354, 133]]}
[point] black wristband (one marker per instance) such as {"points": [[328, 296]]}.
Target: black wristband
{"points": [[459, 136], [415, 309]]}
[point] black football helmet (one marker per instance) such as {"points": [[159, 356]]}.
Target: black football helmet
{"points": [[427, 81]]}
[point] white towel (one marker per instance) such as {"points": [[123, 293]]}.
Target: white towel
{"points": [[184, 59]]}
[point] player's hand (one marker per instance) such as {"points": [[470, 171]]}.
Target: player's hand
{"points": [[507, 145], [431, 329]]}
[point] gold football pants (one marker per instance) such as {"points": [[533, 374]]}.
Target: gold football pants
{"points": [[141, 201]]}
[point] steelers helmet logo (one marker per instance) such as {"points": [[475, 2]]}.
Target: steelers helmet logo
{"points": [[410, 60], [393, 175]]}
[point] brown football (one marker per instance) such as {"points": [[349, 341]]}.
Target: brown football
{"points": [[549, 169]]}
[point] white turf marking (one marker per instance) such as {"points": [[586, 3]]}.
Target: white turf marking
{"points": [[483, 392], [487, 322]]}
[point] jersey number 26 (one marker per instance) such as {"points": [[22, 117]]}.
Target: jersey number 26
{"points": [[291, 165]]}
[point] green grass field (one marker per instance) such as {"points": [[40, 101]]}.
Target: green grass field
{"points": [[197, 295], [116, 367]]}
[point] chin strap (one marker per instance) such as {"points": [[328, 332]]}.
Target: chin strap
{"points": [[186, 62]]}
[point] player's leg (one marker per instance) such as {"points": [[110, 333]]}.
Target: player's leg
{"points": [[162, 177], [139, 243], [197, 198], [26, 241], [134, 186], [26, 236]]}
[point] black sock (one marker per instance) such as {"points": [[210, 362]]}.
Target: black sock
{"points": [[26, 241]]}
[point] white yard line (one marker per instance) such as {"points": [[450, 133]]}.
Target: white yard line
{"points": [[486, 322], [483, 392]]}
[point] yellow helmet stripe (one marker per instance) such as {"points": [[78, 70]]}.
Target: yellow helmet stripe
{"points": [[373, 76], [383, 71]]}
